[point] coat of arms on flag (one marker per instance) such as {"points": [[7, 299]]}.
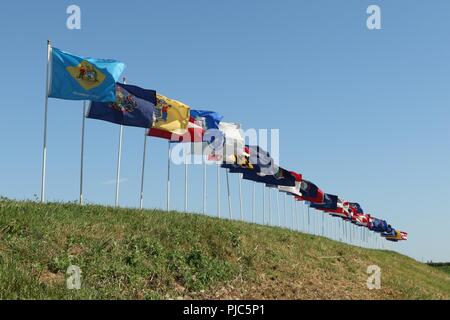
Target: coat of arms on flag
{"points": [[78, 78], [134, 106], [171, 117], [87, 75]]}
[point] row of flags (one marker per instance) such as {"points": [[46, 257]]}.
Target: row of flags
{"points": [[96, 80]]}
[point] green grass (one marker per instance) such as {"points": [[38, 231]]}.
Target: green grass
{"points": [[445, 266], [133, 254]]}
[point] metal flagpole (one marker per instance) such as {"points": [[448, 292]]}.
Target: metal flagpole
{"points": [[218, 190], [350, 239], [292, 213], [316, 222], [168, 177], [323, 227], [284, 210], [295, 212], [334, 226], [278, 208], [309, 221], [339, 231], [240, 196], [346, 231], [141, 199], [270, 205], [229, 195], [302, 223], [306, 218], [185, 179], [344, 227], [44, 148], [329, 226], [264, 203], [83, 121], [119, 160], [204, 186], [351, 233], [253, 201]]}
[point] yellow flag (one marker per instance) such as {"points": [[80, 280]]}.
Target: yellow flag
{"points": [[170, 115]]}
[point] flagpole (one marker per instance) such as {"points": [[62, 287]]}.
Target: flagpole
{"points": [[284, 211], [264, 204], [323, 226], [204, 186], [309, 221], [270, 205], [44, 147], [185, 179], [119, 159], [253, 201], [141, 200], [229, 195], [278, 208], [218, 190], [83, 121], [292, 213], [168, 177], [302, 208], [302, 220], [240, 196]]}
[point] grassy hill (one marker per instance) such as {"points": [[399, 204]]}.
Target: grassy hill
{"points": [[132, 254]]}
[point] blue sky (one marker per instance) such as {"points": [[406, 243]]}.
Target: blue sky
{"points": [[363, 114]]}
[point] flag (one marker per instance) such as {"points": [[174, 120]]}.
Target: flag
{"points": [[379, 225], [310, 192], [295, 190], [208, 119], [281, 178], [209, 122], [356, 207], [388, 232], [134, 106], [329, 203], [78, 78], [396, 235], [339, 211], [229, 141], [262, 161], [194, 133], [238, 163], [361, 219], [349, 210], [171, 118]]}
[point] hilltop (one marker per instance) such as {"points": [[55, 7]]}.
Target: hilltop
{"points": [[152, 254]]}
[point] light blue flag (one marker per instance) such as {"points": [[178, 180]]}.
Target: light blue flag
{"points": [[78, 78]]}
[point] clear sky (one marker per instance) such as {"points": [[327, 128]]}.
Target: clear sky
{"points": [[362, 113]]}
